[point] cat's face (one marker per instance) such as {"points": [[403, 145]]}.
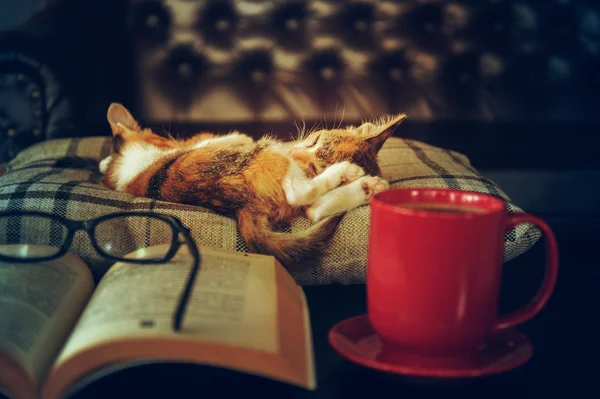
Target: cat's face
{"points": [[359, 145]]}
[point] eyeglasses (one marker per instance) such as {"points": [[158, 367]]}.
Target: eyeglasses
{"points": [[136, 230]]}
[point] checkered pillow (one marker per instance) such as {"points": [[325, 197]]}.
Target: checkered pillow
{"points": [[61, 176]]}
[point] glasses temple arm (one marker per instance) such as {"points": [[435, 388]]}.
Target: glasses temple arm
{"points": [[185, 294]]}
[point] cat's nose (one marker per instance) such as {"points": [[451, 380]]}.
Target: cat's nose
{"points": [[299, 153]]}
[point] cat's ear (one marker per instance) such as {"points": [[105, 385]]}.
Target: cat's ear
{"points": [[378, 131], [120, 120]]}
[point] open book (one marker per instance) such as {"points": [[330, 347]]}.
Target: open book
{"points": [[57, 330]]}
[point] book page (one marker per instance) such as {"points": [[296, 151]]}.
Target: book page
{"points": [[233, 302], [241, 315], [39, 304]]}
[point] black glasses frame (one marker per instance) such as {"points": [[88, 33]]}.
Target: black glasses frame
{"points": [[89, 227]]}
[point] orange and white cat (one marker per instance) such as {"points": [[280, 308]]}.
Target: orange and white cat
{"points": [[263, 184]]}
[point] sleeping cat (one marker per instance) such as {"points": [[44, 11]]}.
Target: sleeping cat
{"points": [[263, 184]]}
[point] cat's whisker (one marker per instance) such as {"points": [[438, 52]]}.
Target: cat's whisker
{"points": [[335, 114], [303, 136], [326, 127], [300, 131], [292, 137], [315, 127], [297, 130], [342, 118]]}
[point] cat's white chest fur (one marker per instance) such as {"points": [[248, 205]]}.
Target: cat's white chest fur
{"points": [[134, 159]]}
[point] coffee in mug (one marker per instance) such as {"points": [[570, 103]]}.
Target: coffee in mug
{"points": [[434, 207]]}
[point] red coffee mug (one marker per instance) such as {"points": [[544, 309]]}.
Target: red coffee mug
{"points": [[434, 269]]}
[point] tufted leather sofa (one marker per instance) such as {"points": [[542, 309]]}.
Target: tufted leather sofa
{"points": [[278, 60], [491, 78]]}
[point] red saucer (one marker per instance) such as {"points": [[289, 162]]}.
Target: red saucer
{"points": [[355, 340]]}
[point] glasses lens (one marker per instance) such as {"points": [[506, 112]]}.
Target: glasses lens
{"points": [[130, 236], [30, 237]]}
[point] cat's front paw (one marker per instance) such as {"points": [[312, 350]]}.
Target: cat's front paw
{"points": [[103, 165], [372, 185], [313, 214], [342, 173], [352, 172]]}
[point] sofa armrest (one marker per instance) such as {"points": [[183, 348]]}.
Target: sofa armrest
{"points": [[35, 104]]}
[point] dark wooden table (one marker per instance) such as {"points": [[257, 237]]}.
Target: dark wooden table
{"points": [[565, 335]]}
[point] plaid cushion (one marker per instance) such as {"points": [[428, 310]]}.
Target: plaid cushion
{"points": [[61, 176]]}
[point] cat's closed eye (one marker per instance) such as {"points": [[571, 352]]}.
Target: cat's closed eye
{"points": [[313, 141]]}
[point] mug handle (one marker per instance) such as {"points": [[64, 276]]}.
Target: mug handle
{"points": [[545, 291]]}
